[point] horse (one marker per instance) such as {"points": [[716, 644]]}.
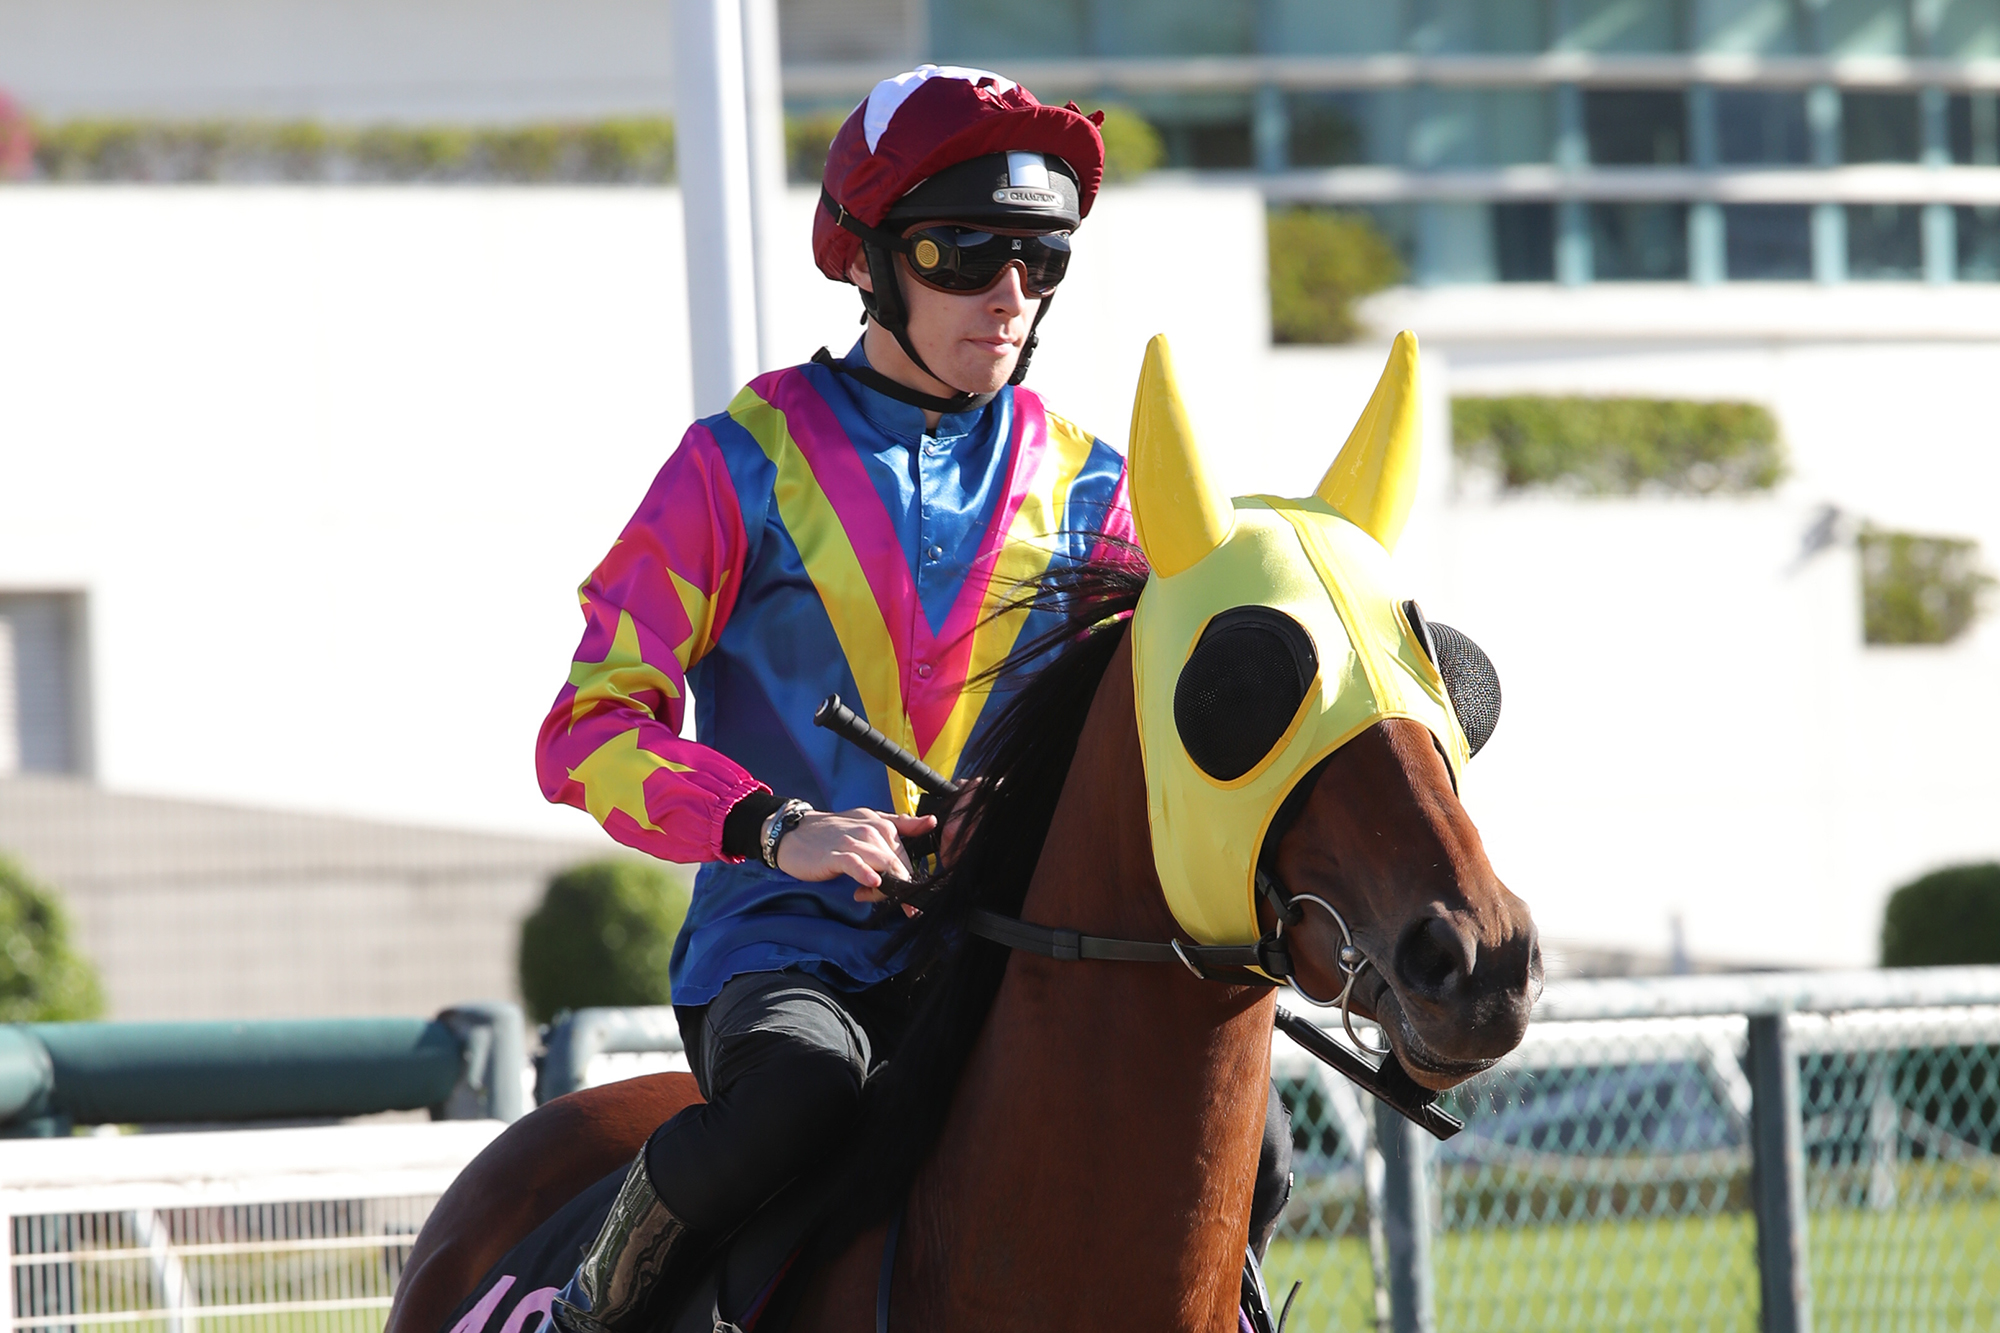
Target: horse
{"points": [[1065, 1140]]}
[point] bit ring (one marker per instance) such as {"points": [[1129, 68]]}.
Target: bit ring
{"points": [[1351, 961]]}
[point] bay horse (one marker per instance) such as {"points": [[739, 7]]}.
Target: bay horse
{"points": [[1073, 1143]]}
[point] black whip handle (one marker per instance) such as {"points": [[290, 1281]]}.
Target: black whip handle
{"points": [[842, 721]]}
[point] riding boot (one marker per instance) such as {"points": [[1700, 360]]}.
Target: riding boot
{"points": [[643, 1250]]}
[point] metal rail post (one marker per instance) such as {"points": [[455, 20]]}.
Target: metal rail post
{"points": [[1778, 1177], [712, 144], [1406, 1220]]}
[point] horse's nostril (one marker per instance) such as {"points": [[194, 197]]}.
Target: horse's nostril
{"points": [[1433, 954]]}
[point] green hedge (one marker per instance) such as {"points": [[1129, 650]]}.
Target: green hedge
{"points": [[43, 979], [1917, 589], [637, 151], [1619, 446], [1946, 917], [603, 935], [631, 151], [1321, 262]]}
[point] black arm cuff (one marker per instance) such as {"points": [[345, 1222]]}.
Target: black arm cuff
{"points": [[743, 825]]}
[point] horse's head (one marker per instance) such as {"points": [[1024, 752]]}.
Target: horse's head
{"points": [[1305, 730]]}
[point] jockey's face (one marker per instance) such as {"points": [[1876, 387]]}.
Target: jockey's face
{"points": [[971, 340]]}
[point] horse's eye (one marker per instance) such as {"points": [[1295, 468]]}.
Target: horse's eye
{"points": [[1469, 677], [1241, 688]]}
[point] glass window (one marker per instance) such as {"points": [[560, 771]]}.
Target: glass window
{"points": [[1524, 242], [1962, 29], [1885, 241], [1879, 127], [1755, 127], [1767, 242], [1330, 129], [1325, 27], [1630, 127], [1751, 27], [969, 32], [1638, 242], [1478, 127], [1863, 28], [1201, 130], [1477, 27], [1972, 123], [1211, 144], [1627, 25], [1978, 243]]}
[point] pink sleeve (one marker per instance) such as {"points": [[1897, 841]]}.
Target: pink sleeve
{"points": [[611, 744]]}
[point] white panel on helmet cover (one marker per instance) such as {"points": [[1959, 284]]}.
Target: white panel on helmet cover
{"points": [[1027, 169], [891, 93]]}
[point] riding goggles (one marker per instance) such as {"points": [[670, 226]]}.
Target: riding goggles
{"points": [[964, 259]]}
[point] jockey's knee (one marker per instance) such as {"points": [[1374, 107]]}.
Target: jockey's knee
{"points": [[784, 1105]]}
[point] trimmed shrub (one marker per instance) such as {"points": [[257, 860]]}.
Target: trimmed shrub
{"points": [[807, 137], [1619, 446], [1917, 589], [43, 979], [1321, 262], [1949, 916], [602, 936], [1132, 147]]}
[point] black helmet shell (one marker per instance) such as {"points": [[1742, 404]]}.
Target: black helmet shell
{"points": [[1005, 191]]}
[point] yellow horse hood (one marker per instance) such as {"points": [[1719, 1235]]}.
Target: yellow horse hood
{"points": [[1270, 634]]}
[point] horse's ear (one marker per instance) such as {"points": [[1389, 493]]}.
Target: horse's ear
{"points": [[1374, 479], [1179, 513]]}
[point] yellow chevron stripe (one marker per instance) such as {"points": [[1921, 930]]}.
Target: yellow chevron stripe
{"points": [[1025, 555], [836, 572]]}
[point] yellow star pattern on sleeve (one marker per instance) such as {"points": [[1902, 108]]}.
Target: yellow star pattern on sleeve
{"points": [[619, 677], [700, 609], [614, 778]]}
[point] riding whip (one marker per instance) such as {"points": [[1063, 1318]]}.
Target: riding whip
{"points": [[841, 720]]}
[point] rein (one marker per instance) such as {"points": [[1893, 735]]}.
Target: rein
{"points": [[1389, 1082]]}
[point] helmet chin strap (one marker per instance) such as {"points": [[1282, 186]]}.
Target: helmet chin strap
{"points": [[886, 306]]}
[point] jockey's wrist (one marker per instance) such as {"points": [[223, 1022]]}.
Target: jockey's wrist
{"points": [[743, 826], [782, 821]]}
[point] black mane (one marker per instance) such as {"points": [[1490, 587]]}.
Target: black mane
{"points": [[1023, 760]]}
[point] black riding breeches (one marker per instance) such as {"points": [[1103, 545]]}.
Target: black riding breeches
{"points": [[781, 1058]]}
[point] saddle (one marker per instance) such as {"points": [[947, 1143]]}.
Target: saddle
{"points": [[741, 1290]]}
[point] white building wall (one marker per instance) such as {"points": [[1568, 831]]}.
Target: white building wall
{"points": [[330, 464], [337, 60]]}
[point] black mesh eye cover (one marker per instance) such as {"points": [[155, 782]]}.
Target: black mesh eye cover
{"points": [[1469, 677], [1472, 683], [1241, 687]]}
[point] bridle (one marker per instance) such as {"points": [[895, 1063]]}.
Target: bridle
{"points": [[1229, 964]]}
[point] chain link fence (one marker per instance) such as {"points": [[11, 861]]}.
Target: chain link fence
{"points": [[1779, 1153], [1776, 1153]]}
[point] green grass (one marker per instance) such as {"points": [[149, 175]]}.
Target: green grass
{"points": [[1936, 1267]]}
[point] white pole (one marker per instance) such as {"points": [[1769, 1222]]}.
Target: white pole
{"points": [[765, 105], [712, 144]]}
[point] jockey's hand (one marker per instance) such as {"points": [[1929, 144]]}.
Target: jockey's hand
{"points": [[864, 845]]}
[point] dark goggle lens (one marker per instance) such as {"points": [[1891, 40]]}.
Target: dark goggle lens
{"points": [[958, 259]]}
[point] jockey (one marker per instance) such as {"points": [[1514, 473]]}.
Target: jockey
{"points": [[846, 526]]}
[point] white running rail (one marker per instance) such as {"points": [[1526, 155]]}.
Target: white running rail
{"points": [[168, 1232]]}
